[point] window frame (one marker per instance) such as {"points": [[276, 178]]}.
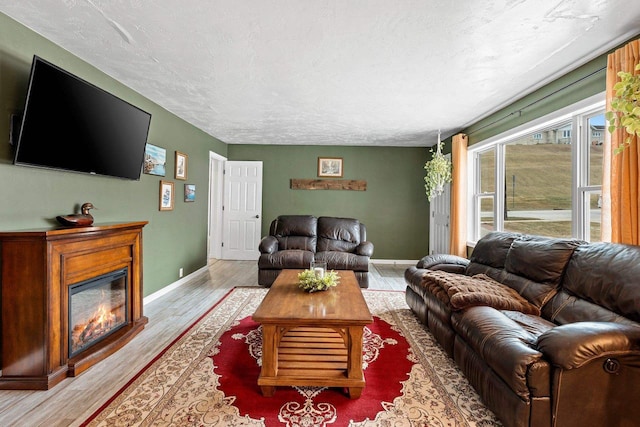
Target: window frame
{"points": [[578, 114]]}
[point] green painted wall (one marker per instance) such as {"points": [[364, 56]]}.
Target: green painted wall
{"points": [[32, 198], [394, 207]]}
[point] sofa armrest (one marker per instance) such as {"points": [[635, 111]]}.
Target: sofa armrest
{"points": [[572, 345], [445, 262], [365, 248], [268, 245]]}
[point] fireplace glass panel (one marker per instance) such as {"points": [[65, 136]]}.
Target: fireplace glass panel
{"points": [[97, 308]]}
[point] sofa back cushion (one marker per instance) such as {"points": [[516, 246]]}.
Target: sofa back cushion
{"points": [[607, 275], [339, 234], [540, 260], [490, 253], [492, 249], [535, 266], [532, 265], [295, 232]]}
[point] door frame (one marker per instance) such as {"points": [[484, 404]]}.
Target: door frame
{"points": [[216, 192]]}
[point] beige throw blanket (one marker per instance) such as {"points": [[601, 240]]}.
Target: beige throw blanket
{"points": [[459, 292]]}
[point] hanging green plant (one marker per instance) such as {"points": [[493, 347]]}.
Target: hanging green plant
{"points": [[625, 110], [438, 172]]}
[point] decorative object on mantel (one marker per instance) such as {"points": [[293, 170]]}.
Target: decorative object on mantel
{"points": [[625, 107], [330, 167], [314, 280], [83, 219], [328, 184], [438, 172]]}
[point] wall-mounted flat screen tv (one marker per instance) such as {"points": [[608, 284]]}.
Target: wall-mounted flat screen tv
{"points": [[72, 125]]}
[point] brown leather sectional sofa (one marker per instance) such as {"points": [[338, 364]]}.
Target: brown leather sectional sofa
{"points": [[296, 240], [574, 360]]}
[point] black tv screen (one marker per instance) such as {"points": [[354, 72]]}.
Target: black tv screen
{"points": [[72, 125]]}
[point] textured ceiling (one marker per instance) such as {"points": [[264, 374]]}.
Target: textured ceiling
{"points": [[326, 72]]}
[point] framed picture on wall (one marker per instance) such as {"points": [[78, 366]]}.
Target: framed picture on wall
{"points": [[330, 167], [181, 165], [189, 192], [166, 195], [155, 159]]}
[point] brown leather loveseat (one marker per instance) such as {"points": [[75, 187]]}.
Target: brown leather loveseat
{"points": [[294, 241], [559, 345]]}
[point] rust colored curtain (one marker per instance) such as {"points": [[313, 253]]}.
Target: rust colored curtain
{"points": [[620, 188], [458, 220]]}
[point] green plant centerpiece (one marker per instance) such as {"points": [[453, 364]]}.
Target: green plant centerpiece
{"points": [[310, 281], [625, 110], [438, 172]]}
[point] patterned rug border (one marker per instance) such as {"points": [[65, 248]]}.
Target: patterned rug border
{"points": [[461, 404]]}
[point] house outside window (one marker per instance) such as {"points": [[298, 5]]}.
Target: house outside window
{"points": [[542, 178]]}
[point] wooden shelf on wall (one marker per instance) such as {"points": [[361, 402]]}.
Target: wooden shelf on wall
{"points": [[329, 184]]}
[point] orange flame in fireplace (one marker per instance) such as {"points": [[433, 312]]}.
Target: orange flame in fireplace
{"points": [[103, 317], [99, 324]]}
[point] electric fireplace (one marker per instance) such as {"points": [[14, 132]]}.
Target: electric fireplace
{"points": [[71, 297], [97, 308]]}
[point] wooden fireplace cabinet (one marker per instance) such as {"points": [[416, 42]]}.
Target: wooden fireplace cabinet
{"points": [[38, 266]]}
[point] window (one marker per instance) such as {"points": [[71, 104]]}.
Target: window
{"points": [[486, 189], [543, 177], [590, 179]]}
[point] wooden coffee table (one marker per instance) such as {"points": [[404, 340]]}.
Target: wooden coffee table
{"points": [[312, 339]]}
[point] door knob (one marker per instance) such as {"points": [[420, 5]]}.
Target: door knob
{"points": [[257, 216]]}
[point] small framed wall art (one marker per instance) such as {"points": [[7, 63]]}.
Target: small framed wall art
{"points": [[155, 159], [181, 165], [189, 192], [166, 195], [330, 167]]}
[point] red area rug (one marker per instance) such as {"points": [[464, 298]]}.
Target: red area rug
{"points": [[208, 377]]}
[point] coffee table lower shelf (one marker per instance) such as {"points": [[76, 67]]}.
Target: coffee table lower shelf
{"points": [[312, 356]]}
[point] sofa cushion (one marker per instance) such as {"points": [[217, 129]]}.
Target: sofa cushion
{"points": [[607, 275], [337, 260], [295, 225], [566, 308], [535, 325], [542, 261], [295, 232], [492, 249], [294, 259], [297, 242], [338, 234]]}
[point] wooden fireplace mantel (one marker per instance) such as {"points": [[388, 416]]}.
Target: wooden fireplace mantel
{"points": [[38, 266]]}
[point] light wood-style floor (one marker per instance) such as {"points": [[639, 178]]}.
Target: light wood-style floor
{"points": [[75, 399]]}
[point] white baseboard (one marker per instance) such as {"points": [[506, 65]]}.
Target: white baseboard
{"points": [[394, 261], [146, 300]]}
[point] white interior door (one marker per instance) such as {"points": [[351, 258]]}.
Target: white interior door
{"points": [[440, 210], [242, 210]]}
